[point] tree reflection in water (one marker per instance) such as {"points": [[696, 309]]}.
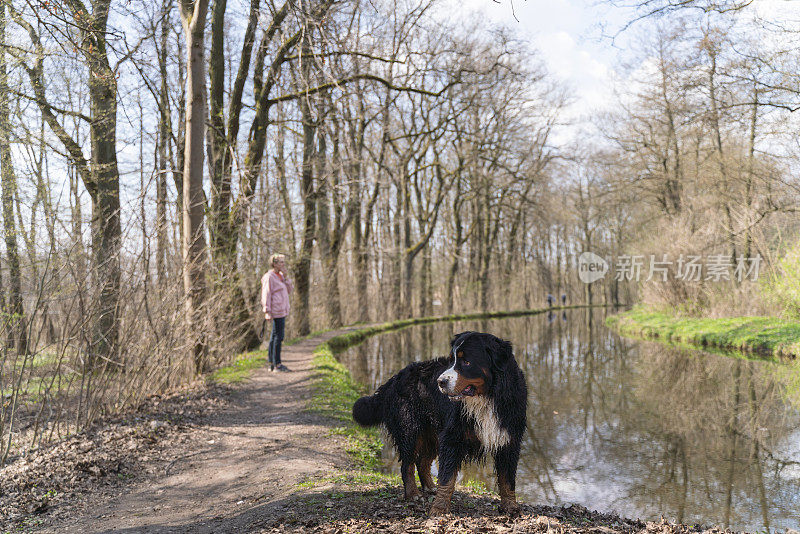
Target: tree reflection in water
{"points": [[634, 427]]}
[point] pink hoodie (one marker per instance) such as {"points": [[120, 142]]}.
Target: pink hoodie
{"points": [[275, 291]]}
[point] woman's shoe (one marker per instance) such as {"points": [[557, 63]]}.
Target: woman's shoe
{"points": [[283, 368]]}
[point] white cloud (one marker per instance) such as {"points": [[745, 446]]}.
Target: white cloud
{"points": [[567, 34]]}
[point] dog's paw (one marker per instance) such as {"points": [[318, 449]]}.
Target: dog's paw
{"points": [[439, 509]]}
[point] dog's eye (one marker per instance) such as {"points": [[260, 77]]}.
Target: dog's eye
{"points": [[465, 363]]}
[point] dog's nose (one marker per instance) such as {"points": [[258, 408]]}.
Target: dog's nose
{"points": [[442, 383]]}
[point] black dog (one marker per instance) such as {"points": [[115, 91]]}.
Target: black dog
{"points": [[467, 406]]}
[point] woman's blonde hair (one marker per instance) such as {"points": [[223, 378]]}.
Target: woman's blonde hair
{"points": [[274, 258]]}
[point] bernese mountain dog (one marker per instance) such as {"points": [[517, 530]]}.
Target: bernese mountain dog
{"points": [[465, 407]]}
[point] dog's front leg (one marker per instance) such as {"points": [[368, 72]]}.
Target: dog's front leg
{"points": [[451, 455], [505, 465], [444, 494]]}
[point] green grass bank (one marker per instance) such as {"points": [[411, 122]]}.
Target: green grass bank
{"points": [[765, 337]]}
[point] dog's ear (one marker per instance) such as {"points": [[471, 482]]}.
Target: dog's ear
{"points": [[500, 352], [458, 338]]}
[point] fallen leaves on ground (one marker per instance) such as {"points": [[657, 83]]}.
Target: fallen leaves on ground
{"points": [[109, 453], [370, 509]]}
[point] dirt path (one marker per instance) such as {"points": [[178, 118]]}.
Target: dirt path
{"points": [[235, 470]]}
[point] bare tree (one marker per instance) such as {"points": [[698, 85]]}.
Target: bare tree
{"points": [[17, 331], [193, 15]]}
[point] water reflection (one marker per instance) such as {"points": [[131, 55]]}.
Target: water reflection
{"points": [[637, 428]]}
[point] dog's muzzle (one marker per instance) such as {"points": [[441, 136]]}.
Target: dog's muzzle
{"points": [[447, 382]]}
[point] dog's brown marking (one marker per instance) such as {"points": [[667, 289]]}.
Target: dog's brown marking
{"points": [[424, 470], [409, 484], [462, 382], [425, 451], [444, 494], [460, 354], [508, 498]]}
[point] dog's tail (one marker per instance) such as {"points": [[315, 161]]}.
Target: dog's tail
{"points": [[368, 411]]}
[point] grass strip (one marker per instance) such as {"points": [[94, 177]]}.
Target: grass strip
{"points": [[244, 364], [767, 337], [334, 394], [240, 369], [354, 337]]}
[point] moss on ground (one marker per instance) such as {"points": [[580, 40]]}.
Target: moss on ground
{"points": [[357, 479], [769, 337], [354, 337], [244, 364], [335, 392], [240, 369]]}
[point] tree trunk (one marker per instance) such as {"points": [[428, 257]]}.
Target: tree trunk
{"points": [[324, 234], [106, 228], [307, 192], [723, 170], [458, 242], [193, 15], [223, 228], [222, 257], [43, 185], [76, 224], [407, 259], [394, 280], [359, 250], [280, 172], [361, 237], [483, 255], [180, 153], [224, 231], [748, 194], [164, 128], [425, 284], [17, 322]]}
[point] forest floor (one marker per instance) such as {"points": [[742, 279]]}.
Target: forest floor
{"points": [[248, 457]]}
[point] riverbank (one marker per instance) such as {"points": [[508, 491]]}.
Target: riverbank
{"points": [[274, 452], [764, 337]]}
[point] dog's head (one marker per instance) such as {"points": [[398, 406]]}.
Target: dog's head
{"points": [[477, 359]]}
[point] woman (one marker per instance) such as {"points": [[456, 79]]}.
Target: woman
{"points": [[275, 289]]}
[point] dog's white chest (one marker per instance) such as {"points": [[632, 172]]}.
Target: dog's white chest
{"points": [[487, 426]]}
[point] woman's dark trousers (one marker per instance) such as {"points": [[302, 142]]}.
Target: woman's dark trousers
{"points": [[275, 340]]}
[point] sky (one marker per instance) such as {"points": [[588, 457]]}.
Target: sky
{"points": [[582, 44], [570, 36], [574, 37]]}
